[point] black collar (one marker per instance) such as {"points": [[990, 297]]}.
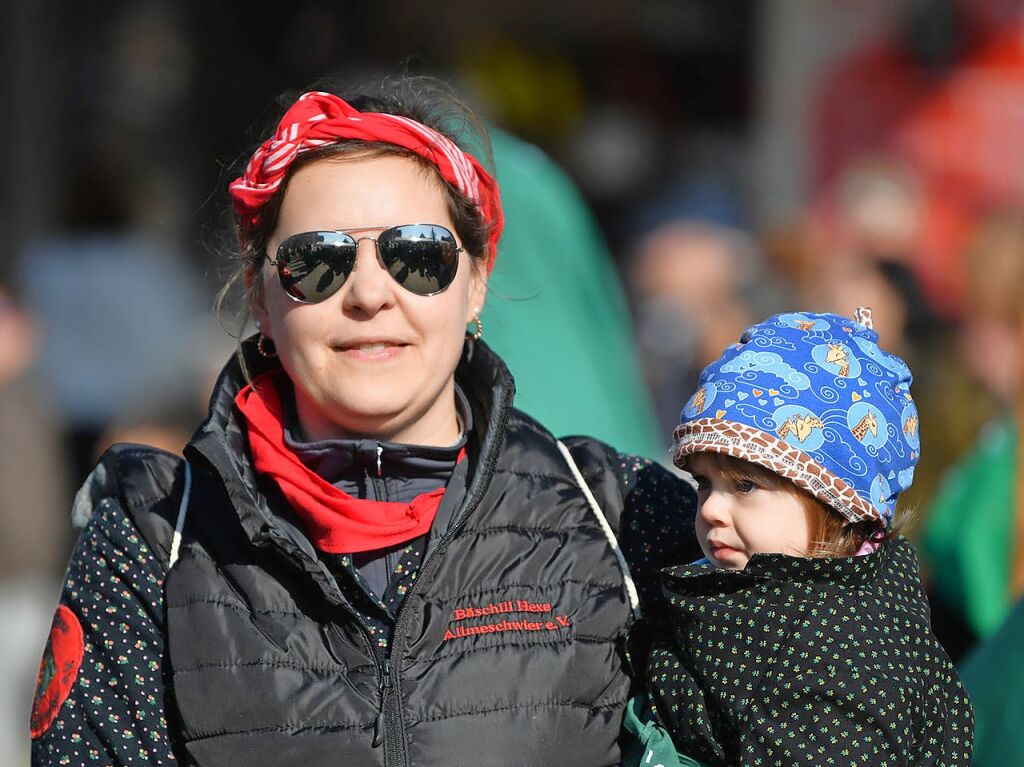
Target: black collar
{"points": [[334, 459]]}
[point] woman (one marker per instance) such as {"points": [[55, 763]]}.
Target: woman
{"points": [[368, 556]]}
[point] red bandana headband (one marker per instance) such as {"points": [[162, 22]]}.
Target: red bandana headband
{"points": [[320, 119]]}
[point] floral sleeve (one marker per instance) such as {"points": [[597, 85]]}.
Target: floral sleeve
{"points": [[100, 694]]}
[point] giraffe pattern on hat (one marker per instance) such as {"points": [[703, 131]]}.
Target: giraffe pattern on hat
{"points": [[756, 446]]}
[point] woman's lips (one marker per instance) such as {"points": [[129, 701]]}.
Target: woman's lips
{"points": [[372, 350]]}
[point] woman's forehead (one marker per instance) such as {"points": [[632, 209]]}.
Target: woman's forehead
{"points": [[363, 191]]}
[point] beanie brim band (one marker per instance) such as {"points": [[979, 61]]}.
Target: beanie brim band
{"points": [[755, 446]]}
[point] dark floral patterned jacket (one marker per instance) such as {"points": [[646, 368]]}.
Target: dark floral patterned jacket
{"points": [[808, 662]]}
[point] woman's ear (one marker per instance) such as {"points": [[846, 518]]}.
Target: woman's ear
{"points": [[477, 292]]}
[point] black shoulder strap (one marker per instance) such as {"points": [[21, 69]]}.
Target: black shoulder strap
{"points": [[146, 483]]}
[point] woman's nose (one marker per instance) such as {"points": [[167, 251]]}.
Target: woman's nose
{"points": [[370, 288]]}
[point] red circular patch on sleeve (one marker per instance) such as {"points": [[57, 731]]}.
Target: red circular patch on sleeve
{"points": [[57, 670]]}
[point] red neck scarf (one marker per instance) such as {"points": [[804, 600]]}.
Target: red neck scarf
{"points": [[335, 522]]}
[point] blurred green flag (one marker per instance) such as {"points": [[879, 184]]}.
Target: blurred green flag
{"points": [[556, 311], [994, 677]]}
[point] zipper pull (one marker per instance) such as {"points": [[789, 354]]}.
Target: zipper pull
{"points": [[385, 685], [380, 452]]}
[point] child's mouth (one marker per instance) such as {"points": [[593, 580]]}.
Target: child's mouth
{"points": [[722, 552]]}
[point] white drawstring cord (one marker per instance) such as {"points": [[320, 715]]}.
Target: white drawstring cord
{"points": [[182, 509], [634, 599]]}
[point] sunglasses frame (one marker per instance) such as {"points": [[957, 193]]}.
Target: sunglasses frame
{"points": [[278, 264]]}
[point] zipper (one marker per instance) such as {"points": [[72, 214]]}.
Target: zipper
{"points": [[385, 688], [382, 666], [380, 490], [395, 754], [380, 493], [383, 663]]}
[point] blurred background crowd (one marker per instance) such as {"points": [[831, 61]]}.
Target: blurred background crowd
{"points": [[672, 171]]}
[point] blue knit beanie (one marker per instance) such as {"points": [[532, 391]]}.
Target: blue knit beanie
{"points": [[814, 399]]}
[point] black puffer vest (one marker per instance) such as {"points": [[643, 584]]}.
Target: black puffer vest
{"points": [[508, 650]]}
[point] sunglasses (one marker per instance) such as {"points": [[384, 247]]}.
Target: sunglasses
{"points": [[422, 258]]}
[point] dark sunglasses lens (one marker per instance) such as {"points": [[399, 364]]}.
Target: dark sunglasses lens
{"points": [[422, 258], [314, 265]]}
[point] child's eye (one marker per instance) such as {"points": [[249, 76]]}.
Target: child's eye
{"points": [[745, 486], [702, 482]]}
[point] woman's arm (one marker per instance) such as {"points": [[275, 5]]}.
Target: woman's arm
{"points": [[111, 624]]}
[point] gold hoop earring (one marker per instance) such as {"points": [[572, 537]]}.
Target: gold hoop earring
{"points": [[475, 335], [261, 345]]}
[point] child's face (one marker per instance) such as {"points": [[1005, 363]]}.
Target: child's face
{"points": [[741, 516]]}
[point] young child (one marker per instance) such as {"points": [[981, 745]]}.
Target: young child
{"points": [[803, 638]]}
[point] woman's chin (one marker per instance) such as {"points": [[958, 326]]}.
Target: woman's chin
{"points": [[368, 420], [381, 419]]}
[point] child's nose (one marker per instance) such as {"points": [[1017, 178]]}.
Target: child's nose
{"points": [[714, 509]]}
